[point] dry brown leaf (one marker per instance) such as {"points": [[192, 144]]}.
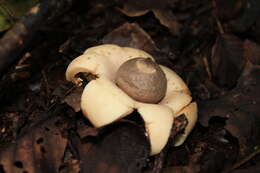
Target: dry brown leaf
{"points": [[133, 6], [179, 169], [85, 131], [131, 35], [167, 18], [73, 98], [241, 109], [227, 10], [227, 60], [39, 151], [248, 17], [122, 147], [183, 169], [252, 52], [160, 10], [133, 12]]}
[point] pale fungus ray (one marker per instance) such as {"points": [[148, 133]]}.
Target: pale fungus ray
{"points": [[129, 79]]}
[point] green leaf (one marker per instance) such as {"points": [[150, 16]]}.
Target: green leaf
{"points": [[4, 24], [12, 10]]}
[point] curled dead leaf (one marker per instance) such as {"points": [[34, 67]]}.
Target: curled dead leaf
{"points": [[227, 60], [240, 108]]}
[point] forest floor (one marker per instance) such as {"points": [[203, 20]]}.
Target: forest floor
{"points": [[212, 45]]}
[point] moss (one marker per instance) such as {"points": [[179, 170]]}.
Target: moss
{"points": [[4, 24], [11, 10]]}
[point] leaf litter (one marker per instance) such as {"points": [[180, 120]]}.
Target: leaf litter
{"points": [[43, 129]]}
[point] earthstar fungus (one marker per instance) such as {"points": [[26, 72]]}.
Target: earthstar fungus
{"points": [[105, 100]]}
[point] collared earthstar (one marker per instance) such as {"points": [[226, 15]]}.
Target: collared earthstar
{"points": [[103, 102]]}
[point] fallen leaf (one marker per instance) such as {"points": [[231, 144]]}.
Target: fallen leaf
{"points": [[40, 150], [227, 10], [248, 18], [131, 35], [183, 169], [240, 108], [160, 9], [133, 7], [122, 147], [84, 130], [132, 11], [167, 18], [252, 52], [73, 98], [227, 60]]}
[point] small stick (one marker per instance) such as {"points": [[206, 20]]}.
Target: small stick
{"points": [[220, 27], [241, 162], [206, 63], [17, 39]]}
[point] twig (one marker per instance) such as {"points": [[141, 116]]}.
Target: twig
{"points": [[220, 27], [241, 162], [206, 63], [16, 40]]}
